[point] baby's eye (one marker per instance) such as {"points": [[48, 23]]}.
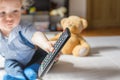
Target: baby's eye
{"points": [[2, 14], [15, 11]]}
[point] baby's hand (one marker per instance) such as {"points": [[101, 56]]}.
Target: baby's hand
{"points": [[51, 43], [49, 46], [41, 41]]}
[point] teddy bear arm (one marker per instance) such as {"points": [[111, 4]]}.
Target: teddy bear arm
{"points": [[84, 43]]}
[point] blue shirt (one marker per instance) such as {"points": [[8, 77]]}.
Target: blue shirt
{"points": [[13, 47]]}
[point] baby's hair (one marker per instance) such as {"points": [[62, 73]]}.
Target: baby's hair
{"points": [[25, 3]]}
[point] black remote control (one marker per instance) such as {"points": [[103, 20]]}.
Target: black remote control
{"points": [[49, 59]]}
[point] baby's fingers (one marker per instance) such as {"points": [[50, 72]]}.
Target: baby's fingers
{"points": [[50, 47], [52, 42]]}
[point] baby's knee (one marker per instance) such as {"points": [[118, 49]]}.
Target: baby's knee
{"points": [[14, 69]]}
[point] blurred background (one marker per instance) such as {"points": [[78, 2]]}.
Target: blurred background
{"points": [[103, 16]]}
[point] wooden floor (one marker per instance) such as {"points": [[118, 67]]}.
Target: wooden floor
{"points": [[102, 32]]}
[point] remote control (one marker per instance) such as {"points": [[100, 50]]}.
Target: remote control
{"points": [[48, 61]]}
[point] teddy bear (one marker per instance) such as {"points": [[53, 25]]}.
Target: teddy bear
{"points": [[59, 11], [76, 45]]}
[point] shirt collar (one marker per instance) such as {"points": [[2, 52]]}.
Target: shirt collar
{"points": [[13, 33], [1, 37]]}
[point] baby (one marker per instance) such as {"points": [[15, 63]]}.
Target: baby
{"points": [[19, 42]]}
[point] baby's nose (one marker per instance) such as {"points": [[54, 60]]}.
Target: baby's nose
{"points": [[9, 16]]}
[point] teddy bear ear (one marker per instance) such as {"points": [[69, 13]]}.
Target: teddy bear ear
{"points": [[84, 23]]}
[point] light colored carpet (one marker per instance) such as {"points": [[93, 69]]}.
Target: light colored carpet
{"points": [[102, 64]]}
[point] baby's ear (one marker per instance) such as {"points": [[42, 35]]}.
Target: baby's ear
{"points": [[84, 23]]}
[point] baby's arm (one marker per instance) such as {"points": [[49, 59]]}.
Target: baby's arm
{"points": [[41, 41]]}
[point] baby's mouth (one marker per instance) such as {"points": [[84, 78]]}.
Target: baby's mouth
{"points": [[10, 23]]}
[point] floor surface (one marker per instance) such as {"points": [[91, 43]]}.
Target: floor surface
{"points": [[102, 64]]}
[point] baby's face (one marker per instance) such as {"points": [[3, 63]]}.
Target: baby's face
{"points": [[10, 13]]}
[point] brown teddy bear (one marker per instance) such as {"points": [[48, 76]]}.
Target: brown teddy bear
{"points": [[76, 45]]}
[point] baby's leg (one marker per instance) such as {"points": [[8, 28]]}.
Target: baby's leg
{"points": [[31, 72], [14, 70], [8, 77]]}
